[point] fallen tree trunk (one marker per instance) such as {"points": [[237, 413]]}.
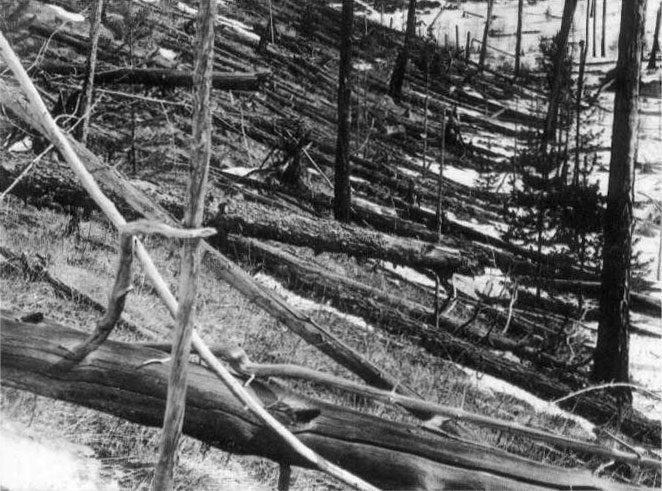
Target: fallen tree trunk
{"points": [[116, 379], [162, 77], [331, 236], [222, 267], [404, 318]]}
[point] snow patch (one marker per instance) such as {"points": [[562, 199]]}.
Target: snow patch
{"points": [[410, 275], [28, 464], [25, 145], [168, 54], [65, 15], [486, 382], [299, 302], [238, 171]]}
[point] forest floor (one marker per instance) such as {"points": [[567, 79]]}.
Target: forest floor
{"points": [[249, 127]]}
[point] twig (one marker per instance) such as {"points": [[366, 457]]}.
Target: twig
{"points": [[513, 299], [328, 181], [610, 385]]}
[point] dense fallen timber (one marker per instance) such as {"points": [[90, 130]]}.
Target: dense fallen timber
{"points": [[632, 423], [456, 340], [161, 77], [118, 380]]}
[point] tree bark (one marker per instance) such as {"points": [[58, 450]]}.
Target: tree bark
{"points": [[557, 83], [611, 357], [342, 188], [603, 41], [160, 77], [88, 87], [486, 32], [655, 49], [326, 235], [116, 380], [518, 41], [400, 66], [191, 249]]}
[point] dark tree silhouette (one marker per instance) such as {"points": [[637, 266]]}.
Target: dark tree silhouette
{"points": [[557, 81], [486, 31], [611, 353], [652, 60], [342, 190], [518, 42], [400, 67]]}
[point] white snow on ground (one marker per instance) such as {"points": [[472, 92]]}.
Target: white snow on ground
{"points": [[645, 362], [168, 54], [410, 274], [28, 463], [375, 208], [65, 15], [308, 305], [491, 229], [24, 145], [238, 171], [486, 382]]}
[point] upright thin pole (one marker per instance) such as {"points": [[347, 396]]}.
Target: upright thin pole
{"points": [[595, 27], [88, 90], [488, 21], [342, 190], [603, 42], [518, 41], [439, 217], [190, 262], [580, 89], [587, 33]]}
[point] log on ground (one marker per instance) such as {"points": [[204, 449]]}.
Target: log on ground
{"points": [[115, 379]]}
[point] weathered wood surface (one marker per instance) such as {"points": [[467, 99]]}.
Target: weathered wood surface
{"points": [[399, 317], [390, 455], [331, 236]]}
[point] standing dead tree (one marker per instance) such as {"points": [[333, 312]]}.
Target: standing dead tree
{"points": [[190, 262], [557, 81], [88, 89], [655, 49], [400, 67], [611, 356], [342, 189], [486, 32]]}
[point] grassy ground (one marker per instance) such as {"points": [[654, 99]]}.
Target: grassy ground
{"points": [[127, 452]]}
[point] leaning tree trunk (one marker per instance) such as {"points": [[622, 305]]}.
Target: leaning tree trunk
{"points": [[652, 61], [557, 81], [342, 190], [611, 353], [400, 67]]}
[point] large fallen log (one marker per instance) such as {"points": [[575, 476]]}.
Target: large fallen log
{"points": [[400, 317], [332, 236], [160, 77], [117, 379]]}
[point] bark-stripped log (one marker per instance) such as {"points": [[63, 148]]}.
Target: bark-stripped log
{"points": [[390, 455]]}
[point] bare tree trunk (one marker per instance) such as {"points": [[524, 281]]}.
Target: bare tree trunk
{"points": [[580, 90], [603, 42], [88, 89], [555, 95], [611, 353], [518, 42], [652, 60], [342, 190], [595, 27], [400, 67], [483, 47], [439, 216], [190, 264]]}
